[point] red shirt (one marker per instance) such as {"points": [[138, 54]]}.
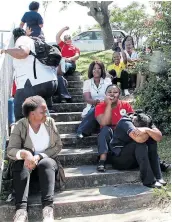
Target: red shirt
{"points": [[121, 109], [68, 51]]}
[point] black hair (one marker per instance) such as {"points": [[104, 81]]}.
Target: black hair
{"points": [[17, 32], [125, 39], [142, 119], [34, 6], [111, 86], [31, 103], [91, 67]]}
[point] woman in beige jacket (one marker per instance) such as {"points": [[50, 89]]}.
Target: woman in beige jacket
{"points": [[34, 145]]}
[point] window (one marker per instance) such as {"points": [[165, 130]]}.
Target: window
{"points": [[98, 35], [85, 36], [118, 33]]}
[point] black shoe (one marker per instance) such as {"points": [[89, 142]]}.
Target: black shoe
{"points": [[163, 182], [79, 136], [165, 166], [101, 166], [154, 185]]}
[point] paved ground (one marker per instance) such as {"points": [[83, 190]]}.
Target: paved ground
{"points": [[144, 215]]}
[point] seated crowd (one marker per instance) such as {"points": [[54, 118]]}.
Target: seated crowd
{"points": [[126, 137]]}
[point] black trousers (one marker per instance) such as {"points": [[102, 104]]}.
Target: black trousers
{"points": [[123, 79], [62, 91], [46, 90], [89, 124], [45, 171], [134, 154]]}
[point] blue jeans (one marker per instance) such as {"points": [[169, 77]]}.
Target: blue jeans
{"points": [[11, 116], [69, 67]]}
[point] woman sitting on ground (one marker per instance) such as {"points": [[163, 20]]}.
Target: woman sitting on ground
{"points": [[131, 144], [117, 70], [34, 145], [93, 92]]}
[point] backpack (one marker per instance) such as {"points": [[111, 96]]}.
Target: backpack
{"points": [[45, 53]]}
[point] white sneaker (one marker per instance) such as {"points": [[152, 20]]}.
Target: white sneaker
{"points": [[48, 214], [126, 92], [62, 63]]}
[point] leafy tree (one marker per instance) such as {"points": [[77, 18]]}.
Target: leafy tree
{"points": [[131, 19], [155, 98]]}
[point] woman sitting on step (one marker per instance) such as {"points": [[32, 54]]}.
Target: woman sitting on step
{"points": [[93, 92], [131, 140], [34, 145]]}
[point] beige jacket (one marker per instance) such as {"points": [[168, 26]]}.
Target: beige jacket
{"points": [[20, 139]]}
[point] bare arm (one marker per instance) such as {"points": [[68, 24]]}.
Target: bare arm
{"points": [[88, 99], [124, 56], [58, 39], [74, 58], [154, 134], [22, 24], [41, 25], [17, 53], [106, 118], [139, 136]]}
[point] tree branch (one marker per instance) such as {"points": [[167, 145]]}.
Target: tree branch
{"points": [[82, 3]]}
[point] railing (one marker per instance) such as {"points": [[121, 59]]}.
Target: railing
{"points": [[6, 76]]}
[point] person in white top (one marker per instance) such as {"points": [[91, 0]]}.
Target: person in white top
{"points": [[34, 145], [94, 92], [46, 82]]}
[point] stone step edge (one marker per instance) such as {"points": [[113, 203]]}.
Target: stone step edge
{"points": [[87, 201], [90, 170]]}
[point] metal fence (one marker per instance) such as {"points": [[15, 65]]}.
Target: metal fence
{"points": [[6, 76]]}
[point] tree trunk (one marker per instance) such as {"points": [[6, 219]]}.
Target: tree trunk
{"points": [[108, 39], [99, 11]]}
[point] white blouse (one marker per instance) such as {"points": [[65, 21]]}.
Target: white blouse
{"points": [[96, 92], [40, 139]]}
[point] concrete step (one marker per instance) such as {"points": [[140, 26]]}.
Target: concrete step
{"points": [[70, 141], [73, 78], [78, 157], [75, 91], [68, 107], [72, 116], [87, 176], [75, 99], [75, 84], [86, 201], [67, 127]]}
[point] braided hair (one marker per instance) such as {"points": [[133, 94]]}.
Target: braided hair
{"points": [[31, 103]]}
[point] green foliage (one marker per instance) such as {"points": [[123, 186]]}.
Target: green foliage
{"points": [[155, 98], [131, 19]]}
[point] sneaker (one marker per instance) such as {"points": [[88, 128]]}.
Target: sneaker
{"points": [[48, 214], [101, 166], [21, 216], [154, 185], [126, 92], [163, 182], [79, 135]]}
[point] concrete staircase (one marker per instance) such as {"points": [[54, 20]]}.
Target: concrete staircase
{"points": [[87, 191]]}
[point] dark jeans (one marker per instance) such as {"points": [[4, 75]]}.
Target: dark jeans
{"points": [[132, 155], [45, 171], [123, 79], [46, 90], [89, 124], [62, 91], [70, 68]]}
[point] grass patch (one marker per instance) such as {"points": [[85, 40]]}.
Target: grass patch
{"points": [[87, 57]]}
